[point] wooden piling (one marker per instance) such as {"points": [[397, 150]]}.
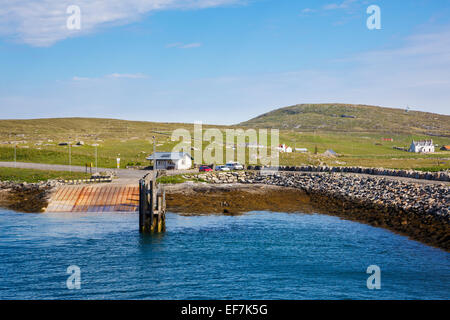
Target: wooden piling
{"points": [[152, 206]]}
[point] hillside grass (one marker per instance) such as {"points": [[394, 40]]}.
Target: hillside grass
{"points": [[131, 141], [33, 176], [328, 117]]}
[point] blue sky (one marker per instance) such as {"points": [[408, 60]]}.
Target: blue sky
{"points": [[219, 61]]}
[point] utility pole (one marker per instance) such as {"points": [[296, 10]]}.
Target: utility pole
{"points": [[95, 145], [70, 158]]}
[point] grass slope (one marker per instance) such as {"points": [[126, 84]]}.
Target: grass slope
{"points": [[37, 139], [32, 175], [353, 118]]}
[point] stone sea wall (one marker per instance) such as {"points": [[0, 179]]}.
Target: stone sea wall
{"points": [[437, 176], [419, 210]]}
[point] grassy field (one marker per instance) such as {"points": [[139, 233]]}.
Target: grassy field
{"points": [[32, 175], [353, 118], [37, 141]]}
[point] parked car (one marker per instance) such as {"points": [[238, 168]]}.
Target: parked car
{"points": [[235, 166], [222, 168], [204, 169]]}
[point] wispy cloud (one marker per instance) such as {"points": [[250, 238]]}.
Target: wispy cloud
{"points": [[184, 45], [112, 76], [307, 11], [43, 22], [346, 4], [77, 78], [341, 5], [127, 75]]}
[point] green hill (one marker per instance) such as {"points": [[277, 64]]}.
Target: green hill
{"points": [[357, 133], [353, 118]]}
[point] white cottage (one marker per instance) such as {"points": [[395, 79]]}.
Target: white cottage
{"points": [[284, 148], [424, 146], [172, 160]]}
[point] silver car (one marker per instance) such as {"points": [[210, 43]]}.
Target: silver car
{"points": [[222, 168], [235, 166]]}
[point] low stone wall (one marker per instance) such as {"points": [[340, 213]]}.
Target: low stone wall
{"points": [[437, 176]]}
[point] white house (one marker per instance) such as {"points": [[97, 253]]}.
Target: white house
{"points": [[284, 148], [172, 160], [301, 150], [424, 146]]}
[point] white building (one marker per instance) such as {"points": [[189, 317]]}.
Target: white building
{"points": [[284, 148], [301, 150], [424, 146], [172, 160]]}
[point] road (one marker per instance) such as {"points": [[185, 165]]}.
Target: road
{"points": [[130, 175]]}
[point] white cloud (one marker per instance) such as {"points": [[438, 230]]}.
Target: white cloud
{"points": [[76, 78], [342, 5], [113, 76], [183, 45], [308, 10], [127, 75], [44, 22]]}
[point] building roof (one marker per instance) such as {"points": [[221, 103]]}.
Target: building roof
{"points": [[423, 143], [169, 156], [330, 153]]}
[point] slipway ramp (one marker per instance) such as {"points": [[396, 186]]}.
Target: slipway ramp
{"points": [[95, 198]]}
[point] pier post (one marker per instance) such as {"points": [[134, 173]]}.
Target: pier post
{"points": [[152, 206]]}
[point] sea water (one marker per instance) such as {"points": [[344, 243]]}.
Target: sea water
{"points": [[258, 255]]}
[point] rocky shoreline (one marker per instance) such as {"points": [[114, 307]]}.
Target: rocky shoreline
{"points": [[418, 210], [26, 197]]}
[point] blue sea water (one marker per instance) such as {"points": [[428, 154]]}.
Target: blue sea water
{"points": [[259, 255]]}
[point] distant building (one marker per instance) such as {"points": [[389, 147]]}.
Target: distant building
{"points": [[284, 148], [171, 160], [330, 153], [301, 150], [424, 146], [388, 139]]}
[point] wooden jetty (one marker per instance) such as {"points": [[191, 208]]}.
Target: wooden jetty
{"points": [[146, 198], [152, 205]]}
